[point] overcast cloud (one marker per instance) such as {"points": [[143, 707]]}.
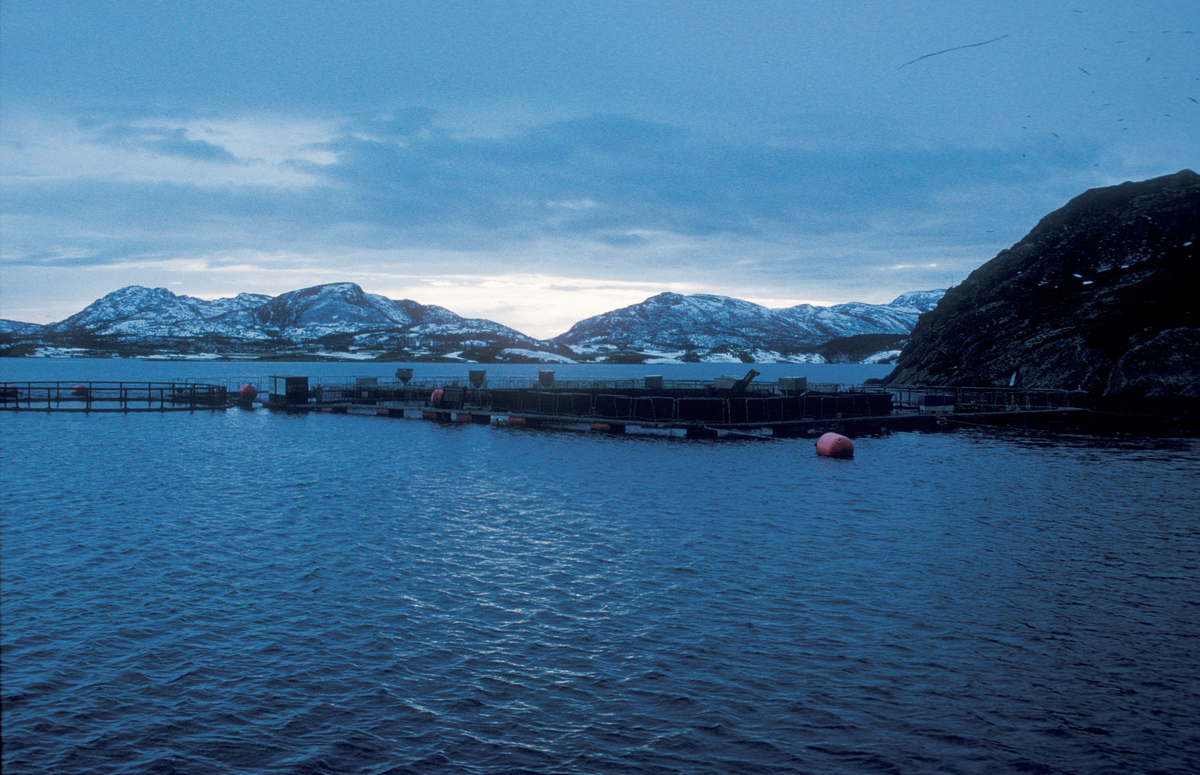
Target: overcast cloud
{"points": [[537, 163]]}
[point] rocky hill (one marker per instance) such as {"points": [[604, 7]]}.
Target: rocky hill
{"points": [[702, 326], [338, 317], [1100, 296], [156, 316], [18, 328]]}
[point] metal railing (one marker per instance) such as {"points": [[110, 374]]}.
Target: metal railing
{"points": [[978, 399], [111, 396], [691, 407]]}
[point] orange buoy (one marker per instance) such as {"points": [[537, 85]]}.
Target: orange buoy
{"points": [[835, 445], [247, 393], [435, 398]]}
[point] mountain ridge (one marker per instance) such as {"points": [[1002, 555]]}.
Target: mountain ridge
{"points": [[341, 318], [673, 322]]}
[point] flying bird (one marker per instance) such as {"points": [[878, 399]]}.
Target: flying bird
{"points": [[948, 50]]}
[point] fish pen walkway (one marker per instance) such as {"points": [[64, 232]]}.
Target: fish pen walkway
{"points": [[788, 407], [111, 396]]}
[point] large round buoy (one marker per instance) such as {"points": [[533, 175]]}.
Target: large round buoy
{"points": [[81, 390], [835, 445], [435, 400], [247, 393]]}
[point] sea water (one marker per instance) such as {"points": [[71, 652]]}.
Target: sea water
{"points": [[246, 591]]}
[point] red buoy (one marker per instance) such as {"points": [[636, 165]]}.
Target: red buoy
{"points": [[835, 445], [435, 399], [83, 391], [247, 393]]}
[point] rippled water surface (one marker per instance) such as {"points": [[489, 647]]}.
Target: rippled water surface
{"points": [[252, 592]]}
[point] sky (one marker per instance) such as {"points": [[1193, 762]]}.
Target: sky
{"points": [[539, 162]]}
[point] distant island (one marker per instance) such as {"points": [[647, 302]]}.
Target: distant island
{"points": [[339, 321]]}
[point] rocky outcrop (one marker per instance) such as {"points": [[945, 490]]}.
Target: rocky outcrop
{"points": [[1164, 367], [1100, 296]]}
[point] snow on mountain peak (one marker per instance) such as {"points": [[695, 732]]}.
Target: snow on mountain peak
{"points": [[670, 321], [920, 300], [341, 315]]}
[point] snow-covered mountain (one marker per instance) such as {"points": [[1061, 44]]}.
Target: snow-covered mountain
{"points": [[341, 317], [135, 313], [919, 300], [670, 322], [16, 327], [342, 310]]}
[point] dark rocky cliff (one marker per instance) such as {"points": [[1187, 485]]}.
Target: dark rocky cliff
{"points": [[1100, 296]]}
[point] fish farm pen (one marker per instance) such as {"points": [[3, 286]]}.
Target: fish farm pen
{"points": [[112, 396], [790, 406]]}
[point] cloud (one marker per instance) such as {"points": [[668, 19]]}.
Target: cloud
{"points": [[793, 214], [607, 189], [640, 175], [166, 141], [124, 146]]}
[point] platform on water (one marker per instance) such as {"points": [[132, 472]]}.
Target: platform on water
{"points": [[788, 407], [73, 396]]}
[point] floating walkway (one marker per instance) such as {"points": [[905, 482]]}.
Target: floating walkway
{"points": [[112, 396], [724, 406]]}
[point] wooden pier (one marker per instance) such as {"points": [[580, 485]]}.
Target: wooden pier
{"points": [[112, 397]]}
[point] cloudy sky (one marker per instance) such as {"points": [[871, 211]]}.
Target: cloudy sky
{"points": [[536, 162]]}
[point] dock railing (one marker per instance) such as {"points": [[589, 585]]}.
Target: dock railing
{"points": [[370, 390], [513, 383], [111, 396], [979, 399]]}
